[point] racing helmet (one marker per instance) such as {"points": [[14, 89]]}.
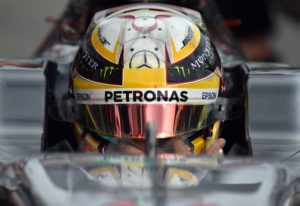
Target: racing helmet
{"points": [[147, 63]]}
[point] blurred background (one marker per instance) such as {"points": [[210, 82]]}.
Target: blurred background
{"points": [[23, 26]]}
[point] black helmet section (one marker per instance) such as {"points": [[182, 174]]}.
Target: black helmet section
{"points": [[60, 99], [59, 115]]}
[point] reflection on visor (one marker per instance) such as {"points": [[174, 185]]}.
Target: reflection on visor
{"points": [[191, 144], [139, 147], [194, 143], [129, 121]]}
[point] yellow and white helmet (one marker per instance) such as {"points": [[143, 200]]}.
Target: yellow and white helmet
{"points": [[147, 63]]}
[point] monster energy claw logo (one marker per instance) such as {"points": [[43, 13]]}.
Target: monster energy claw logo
{"points": [[182, 71], [107, 71]]}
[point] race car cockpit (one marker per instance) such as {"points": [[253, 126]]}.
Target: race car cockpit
{"points": [[253, 123], [142, 97]]}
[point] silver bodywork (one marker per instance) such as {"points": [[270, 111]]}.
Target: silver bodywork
{"points": [[66, 180], [273, 111], [22, 94]]}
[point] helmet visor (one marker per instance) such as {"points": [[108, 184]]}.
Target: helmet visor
{"points": [[130, 120]]}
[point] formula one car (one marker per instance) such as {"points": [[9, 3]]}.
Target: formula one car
{"points": [[258, 110], [101, 180]]}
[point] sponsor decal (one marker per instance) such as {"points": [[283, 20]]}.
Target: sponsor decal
{"points": [[189, 37], [209, 95], [181, 70], [107, 71], [89, 60], [203, 58], [102, 38], [198, 66], [146, 96], [93, 70], [83, 96], [144, 59]]}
